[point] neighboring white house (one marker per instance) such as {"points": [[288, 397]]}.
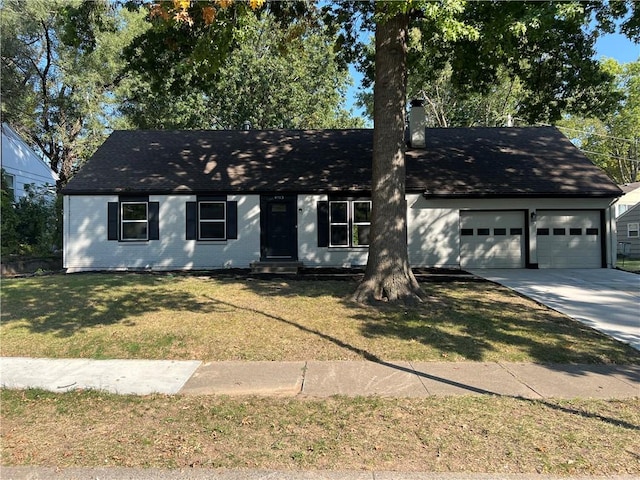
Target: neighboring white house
{"points": [[630, 197], [22, 166], [198, 200]]}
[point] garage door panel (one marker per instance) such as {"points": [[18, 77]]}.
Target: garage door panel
{"points": [[569, 239], [491, 239]]}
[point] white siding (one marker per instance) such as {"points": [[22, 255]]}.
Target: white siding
{"points": [[627, 201], [86, 246], [434, 229], [433, 234], [19, 161], [308, 251]]}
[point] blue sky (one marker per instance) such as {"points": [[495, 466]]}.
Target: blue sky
{"points": [[619, 47]]}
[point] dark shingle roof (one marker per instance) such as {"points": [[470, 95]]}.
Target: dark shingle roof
{"points": [[629, 187], [456, 161]]}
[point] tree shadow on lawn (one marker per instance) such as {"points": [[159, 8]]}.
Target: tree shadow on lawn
{"points": [[471, 320], [366, 355], [87, 300]]}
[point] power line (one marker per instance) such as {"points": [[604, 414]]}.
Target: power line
{"points": [[612, 156], [630, 140]]}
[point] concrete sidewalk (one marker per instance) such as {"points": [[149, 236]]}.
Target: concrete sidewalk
{"points": [[137, 377], [323, 379]]}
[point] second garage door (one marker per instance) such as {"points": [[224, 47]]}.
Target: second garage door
{"points": [[492, 239], [569, 239]]}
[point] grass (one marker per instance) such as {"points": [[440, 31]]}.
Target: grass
{"points": [[460, 434], [630, 265], [238, 318], [223, 318]]}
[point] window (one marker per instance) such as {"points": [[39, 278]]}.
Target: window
{"points": [[212, 220], [559, 231], [575, 231], [484, 231], [344, 223], [339, 224], [11, 186], [466, 232], [361, 223], [592, 231], [633, 230], [515, 231], [133, 219], [500, 231], [543, 231], [349, 216]]}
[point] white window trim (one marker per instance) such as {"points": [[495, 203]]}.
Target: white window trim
{"points": [[359, 223], [123, 222], [633, 230], [339, 224], [350, 223], [223, 221]]}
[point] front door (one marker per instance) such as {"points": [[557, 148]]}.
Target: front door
{"points": [[279, 227]]}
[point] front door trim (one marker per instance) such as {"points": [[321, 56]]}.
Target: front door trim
{"points": [[278, 228]]}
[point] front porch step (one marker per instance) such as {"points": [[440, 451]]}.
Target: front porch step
{"points": [[282, 267]]}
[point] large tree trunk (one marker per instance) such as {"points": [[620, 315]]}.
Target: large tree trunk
{"points": [[388, 276]]}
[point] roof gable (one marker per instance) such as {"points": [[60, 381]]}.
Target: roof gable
{"points": [[457, 161]]}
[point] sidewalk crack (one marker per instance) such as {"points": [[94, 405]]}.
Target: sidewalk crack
{"points": [[520, 380], [304, 377]]}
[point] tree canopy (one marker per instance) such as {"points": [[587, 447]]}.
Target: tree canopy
{"points": [[279, 76], [60, 66], [612, 141]]}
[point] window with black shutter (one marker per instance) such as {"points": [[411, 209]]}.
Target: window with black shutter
{"points": [[133, 219], [344, 223], [211, 218]]}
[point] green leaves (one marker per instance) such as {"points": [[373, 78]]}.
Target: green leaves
{"points": [[274, 76]]}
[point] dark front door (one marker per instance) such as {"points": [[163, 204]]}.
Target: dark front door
{"points": [[279, 227]]}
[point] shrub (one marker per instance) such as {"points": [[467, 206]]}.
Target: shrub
{"points": [[31, 225]]}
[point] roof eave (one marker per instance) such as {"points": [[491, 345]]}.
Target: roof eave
{"points": [[471, 195]]}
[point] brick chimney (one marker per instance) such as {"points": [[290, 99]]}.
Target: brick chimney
{"points": [[417, 124]]}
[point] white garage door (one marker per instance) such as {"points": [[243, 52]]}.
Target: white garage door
{"points": [[492, 239], [569, 239]]}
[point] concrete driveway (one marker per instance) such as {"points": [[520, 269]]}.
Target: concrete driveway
{"points": [[605, 299]]}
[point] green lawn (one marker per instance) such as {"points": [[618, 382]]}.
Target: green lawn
{"points": [[226, 317], [629, 264], [489, 434], [242, 318]]}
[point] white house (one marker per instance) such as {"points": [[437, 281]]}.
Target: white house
{"points": [[198, 200], [630, 197], [22, 166]]}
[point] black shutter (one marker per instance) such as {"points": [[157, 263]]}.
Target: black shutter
{"points": [[192, 221], [323, 224], [113, 222], [154, 220], [232, 220]]}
